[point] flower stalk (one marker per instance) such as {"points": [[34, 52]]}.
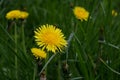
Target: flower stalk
{"points": [[15, 38], [23, 37]]}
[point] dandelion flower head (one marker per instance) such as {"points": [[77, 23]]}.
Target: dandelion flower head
{"points": [[50, 38], [23, 15], [81, 13], [114, 13], [14, 14], [38, 53]]}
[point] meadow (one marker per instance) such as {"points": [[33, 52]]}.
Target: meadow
{"points": [[86, 48]]}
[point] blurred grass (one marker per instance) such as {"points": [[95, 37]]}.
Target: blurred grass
{"points": [[94, 47]]}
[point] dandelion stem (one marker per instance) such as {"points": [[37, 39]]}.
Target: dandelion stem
{"points": [[83, 31], [46, 60], [23, 38], [15, 36], [34, 73], [59, 76]]}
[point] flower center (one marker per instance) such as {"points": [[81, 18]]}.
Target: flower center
{"points": [[51, 39]]}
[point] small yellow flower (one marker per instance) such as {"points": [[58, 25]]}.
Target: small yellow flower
{"points": [[14, 14], [81, 13], [23, 15], [51, 38], [114, 13], [38, 53], [17, 14]]}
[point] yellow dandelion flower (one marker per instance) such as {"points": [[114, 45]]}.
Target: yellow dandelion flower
{"points": [[38, 53], [81, 13], [50, 38], [114, 13], [23, 15], [14, 14]]}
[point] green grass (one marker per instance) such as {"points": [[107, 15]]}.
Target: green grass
{"points": [[93, 51]]}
